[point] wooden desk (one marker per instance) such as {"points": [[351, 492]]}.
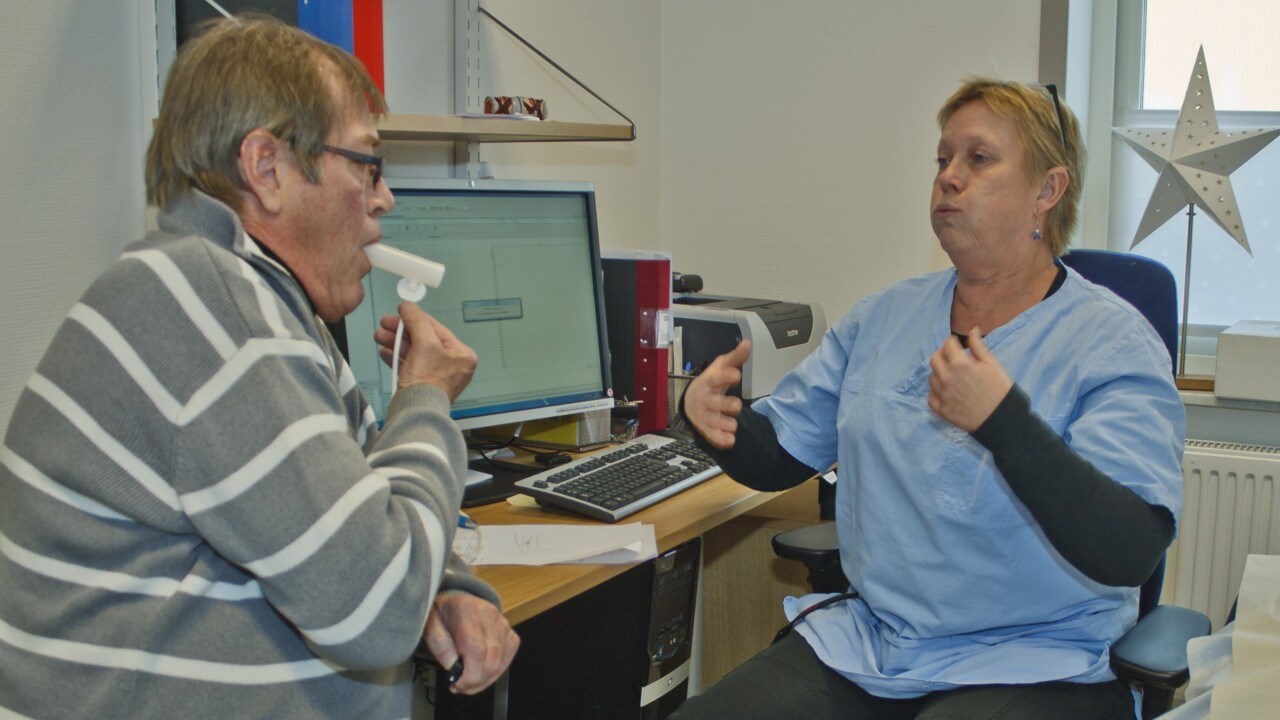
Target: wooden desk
{"points": [[527, 591], [743, 581]]}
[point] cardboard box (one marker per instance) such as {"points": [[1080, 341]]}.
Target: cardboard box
{"points": [[1249, 361]]}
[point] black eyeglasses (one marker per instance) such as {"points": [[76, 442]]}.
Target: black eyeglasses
{"points": [[1057, 108], [373, 161]]}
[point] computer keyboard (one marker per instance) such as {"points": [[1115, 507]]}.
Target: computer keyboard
{"points": [[624, 480]]}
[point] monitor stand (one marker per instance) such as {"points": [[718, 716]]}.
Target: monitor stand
{"points": [[499, 486]]}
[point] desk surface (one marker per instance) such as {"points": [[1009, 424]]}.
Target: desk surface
{"points": [[527, 591]]}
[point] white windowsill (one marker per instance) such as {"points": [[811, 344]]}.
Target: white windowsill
{"points": [[1246, 422], [1203, 398]]}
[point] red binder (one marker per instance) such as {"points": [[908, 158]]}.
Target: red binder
{"points": [[637, 285]]}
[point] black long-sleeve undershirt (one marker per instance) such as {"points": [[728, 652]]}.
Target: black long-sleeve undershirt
{"points": [[757, 459], [1102, 528]]}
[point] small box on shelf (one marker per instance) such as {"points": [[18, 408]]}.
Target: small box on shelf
{"points": [[1247, 359]]}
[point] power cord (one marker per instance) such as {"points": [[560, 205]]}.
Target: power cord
{"points": [[825, 602], [485, 448]]}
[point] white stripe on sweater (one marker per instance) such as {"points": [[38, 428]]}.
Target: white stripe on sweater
{"points": [[306, 544], [230, 373], [168, 665], [367, 423], [248, 475], [114, 342], [94, 433], [32, 476], [388, 582], [437, 545], [223, 380], [391, 472], [346, 380], [374, 458], [268, 301], [118, 582], [181, 289], [322, 331]]}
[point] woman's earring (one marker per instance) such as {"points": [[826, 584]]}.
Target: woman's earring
{"points": [[1036, 234]]}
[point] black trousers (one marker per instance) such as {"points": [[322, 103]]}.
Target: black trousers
{"points": [[787, 680]]}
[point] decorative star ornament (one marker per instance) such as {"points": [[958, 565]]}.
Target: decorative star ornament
{"points": [[1195, 160]]}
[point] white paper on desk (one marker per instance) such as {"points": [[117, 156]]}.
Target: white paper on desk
{"points": [[475, 477], [644, 549], [556, 544]]}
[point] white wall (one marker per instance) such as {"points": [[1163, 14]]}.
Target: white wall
{"points": [[798, 137], [785, 149], [615, 48], [417, 39], [71, 191]]}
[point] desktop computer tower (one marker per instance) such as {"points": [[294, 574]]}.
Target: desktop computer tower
{"points": [[637, 305], [670, 638], [620, 651]]}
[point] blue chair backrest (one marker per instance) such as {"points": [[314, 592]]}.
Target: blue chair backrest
{"points": [[1144, 283], [1148, 286]]}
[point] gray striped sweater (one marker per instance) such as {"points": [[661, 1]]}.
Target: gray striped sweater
{"points": [[198, 514]]}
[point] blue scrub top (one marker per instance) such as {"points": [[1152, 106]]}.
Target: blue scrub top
{"points": [[959, 585]]}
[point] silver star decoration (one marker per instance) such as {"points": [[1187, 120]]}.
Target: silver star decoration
{"points": [[1190, 154]]}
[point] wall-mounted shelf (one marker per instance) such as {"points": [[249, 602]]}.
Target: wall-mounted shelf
{"points": [[454, 128]]}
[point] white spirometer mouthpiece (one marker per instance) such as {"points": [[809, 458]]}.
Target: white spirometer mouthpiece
{"points": [[416, 275], [406, 265]]}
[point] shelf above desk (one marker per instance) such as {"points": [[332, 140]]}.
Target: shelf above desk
{"points": [[450, 128]]}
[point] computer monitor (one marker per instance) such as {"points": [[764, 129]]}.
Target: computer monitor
{"points": [[522, 287]]}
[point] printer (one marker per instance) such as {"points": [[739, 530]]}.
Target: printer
{"points": [[781, 334]]}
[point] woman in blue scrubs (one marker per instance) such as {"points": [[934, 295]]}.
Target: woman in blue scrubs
{"points": [[1009, 443]]}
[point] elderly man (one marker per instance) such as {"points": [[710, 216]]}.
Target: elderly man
{"points": [[200, 516]]}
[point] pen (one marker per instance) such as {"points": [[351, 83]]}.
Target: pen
{"points": [[465, 521]]}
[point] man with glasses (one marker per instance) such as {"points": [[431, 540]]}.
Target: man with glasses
{"points": [[201, 517]]}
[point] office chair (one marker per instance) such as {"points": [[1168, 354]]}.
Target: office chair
{"points": [[1153, 653]]}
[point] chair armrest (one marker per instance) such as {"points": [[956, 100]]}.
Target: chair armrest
{"points": [[813, 544], [1154, 652], [818, 547]]}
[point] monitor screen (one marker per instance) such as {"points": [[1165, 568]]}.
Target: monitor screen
{"points": [[522, 287]]}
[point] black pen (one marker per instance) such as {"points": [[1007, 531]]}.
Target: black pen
{"points": [[455, 671]]}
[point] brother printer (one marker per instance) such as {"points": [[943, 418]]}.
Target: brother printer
{"points": [[781, 334]]}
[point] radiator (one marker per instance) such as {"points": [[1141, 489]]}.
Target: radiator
{"points": [[1231, 509]]}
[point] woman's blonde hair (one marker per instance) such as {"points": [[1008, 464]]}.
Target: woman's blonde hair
{"points": [[237, 76], [1045, 142]]}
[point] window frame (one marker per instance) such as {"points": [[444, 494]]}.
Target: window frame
{"points": [[1201, 338]]}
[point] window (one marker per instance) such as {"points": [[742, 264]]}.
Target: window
{"points": [[1227, 285], [1239, 44]]}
